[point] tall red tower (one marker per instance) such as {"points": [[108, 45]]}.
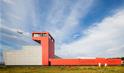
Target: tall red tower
{"points": [[47, 44]]}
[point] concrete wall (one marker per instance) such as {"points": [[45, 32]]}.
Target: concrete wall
{"points": [[28, 55]]}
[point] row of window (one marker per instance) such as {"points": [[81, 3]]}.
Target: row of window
{"points": [[42, 35]]}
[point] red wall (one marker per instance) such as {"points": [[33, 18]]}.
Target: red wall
{"points": [[51, 47], [85, 62]]}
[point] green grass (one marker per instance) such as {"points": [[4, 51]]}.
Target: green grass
{"points": [[61, 69]]}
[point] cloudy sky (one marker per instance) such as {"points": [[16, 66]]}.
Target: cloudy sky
{"points": [[81, 28]]}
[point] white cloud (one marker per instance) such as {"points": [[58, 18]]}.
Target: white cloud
{"points": [[15, 30], [104, 39], [61, 23], [9, 1], [17, 16], [62, 17]]}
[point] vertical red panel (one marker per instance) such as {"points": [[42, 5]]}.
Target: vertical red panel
{"points": [[51, 48], [45, 55]]}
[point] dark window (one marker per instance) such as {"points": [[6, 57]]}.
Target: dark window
{"points": [[44, 34]]}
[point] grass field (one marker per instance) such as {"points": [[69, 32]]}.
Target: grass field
{"points": [[61, 69]]}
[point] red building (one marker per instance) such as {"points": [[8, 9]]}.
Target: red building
{"points": [[47, 43]]}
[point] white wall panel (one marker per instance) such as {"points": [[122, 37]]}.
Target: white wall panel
{"points": [[28, 55]]}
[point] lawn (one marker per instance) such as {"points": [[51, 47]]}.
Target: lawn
{"points": [[61, 69]]}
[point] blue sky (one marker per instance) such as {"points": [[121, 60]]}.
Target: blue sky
{"points": [[81, 28]]}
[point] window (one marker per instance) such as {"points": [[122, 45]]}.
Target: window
{"points": [[40, 35], [44, 34], [36, 35]]}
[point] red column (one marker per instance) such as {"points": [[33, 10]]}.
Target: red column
{"points": [[45, 50]]}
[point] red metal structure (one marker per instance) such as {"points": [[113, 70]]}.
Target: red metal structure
{"points": [[47, 44]]}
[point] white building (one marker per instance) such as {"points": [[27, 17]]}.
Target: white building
{"points": [[28, 55]]}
